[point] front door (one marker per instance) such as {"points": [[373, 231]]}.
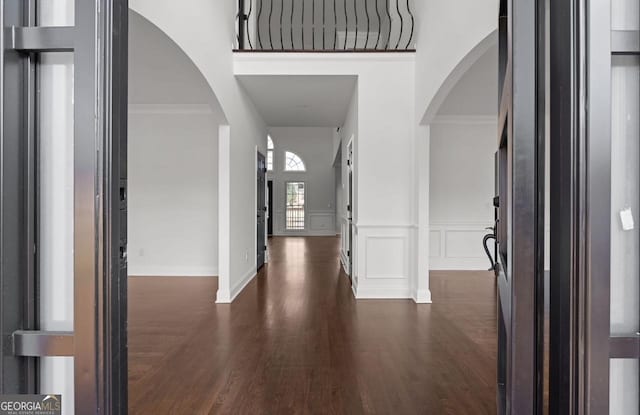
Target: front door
{"points": [[520, 230], [261, 210], [63, 202], [595, 205]]}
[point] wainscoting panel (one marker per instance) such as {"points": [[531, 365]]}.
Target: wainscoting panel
{"points": [[464, 244], [458, 246], [435, 244], [317, 223], [383, 268], [386, 257], [322, 222]]}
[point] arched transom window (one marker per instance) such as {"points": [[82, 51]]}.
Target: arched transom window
{"points": [[293, 162]]}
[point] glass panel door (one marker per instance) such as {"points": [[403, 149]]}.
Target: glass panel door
{"points": [[63, 202], [55, 191], [595, 186], [625, 236]]}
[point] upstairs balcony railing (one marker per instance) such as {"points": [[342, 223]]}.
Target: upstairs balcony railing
{"points": [[325, 25]]}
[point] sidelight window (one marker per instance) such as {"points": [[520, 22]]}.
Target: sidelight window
{"points": [[270, 149]]}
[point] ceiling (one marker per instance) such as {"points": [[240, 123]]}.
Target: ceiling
{"points": [[301, 101], [476, 93]]}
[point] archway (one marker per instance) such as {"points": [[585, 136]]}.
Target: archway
{"points": [[465, 64], [173, 192]]}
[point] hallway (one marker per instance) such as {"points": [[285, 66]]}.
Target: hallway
{"points": [[296, 341]]}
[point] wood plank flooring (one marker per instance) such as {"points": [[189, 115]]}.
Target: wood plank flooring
{"points": [[296, 342]]}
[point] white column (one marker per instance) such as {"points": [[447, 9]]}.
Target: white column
{"points": [[224, 214], [423, 293]]}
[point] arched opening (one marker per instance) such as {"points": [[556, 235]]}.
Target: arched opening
{"points": [[462, 146], [173, 226], [452, 80]]}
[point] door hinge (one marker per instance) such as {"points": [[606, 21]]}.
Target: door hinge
{"points": [[349, 254]]}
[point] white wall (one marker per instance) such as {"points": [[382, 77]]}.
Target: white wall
{"points": [[210, 49], [173, 192], [173, 176], [315, 147], [461, 191]]}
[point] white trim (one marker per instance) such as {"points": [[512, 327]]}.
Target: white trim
{"points": [[224, 210], [422, 297], [383, 283], [385, 226], [404, 275], [174, 271], [382, 293], [465, 120], [226, 297], [338, 57], [198, 109], [307, 233]]}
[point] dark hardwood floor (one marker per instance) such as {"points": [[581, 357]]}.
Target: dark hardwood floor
{"points": [[296, 342]]}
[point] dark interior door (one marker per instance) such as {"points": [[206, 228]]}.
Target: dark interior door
{"points": [[270, 211], [350, 213], [520, 230], [261, 210]]}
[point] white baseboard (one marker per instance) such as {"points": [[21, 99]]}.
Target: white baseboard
{"points": [[459, 264], [171, 271], [305, 233], [422, 297], [227, 297], [362, 293]]}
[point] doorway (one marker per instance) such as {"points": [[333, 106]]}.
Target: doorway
{"points": [[270, 208], [261, 210], [350, 209]]}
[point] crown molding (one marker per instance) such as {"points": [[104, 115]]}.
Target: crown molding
{"points": [[200, 109]]}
